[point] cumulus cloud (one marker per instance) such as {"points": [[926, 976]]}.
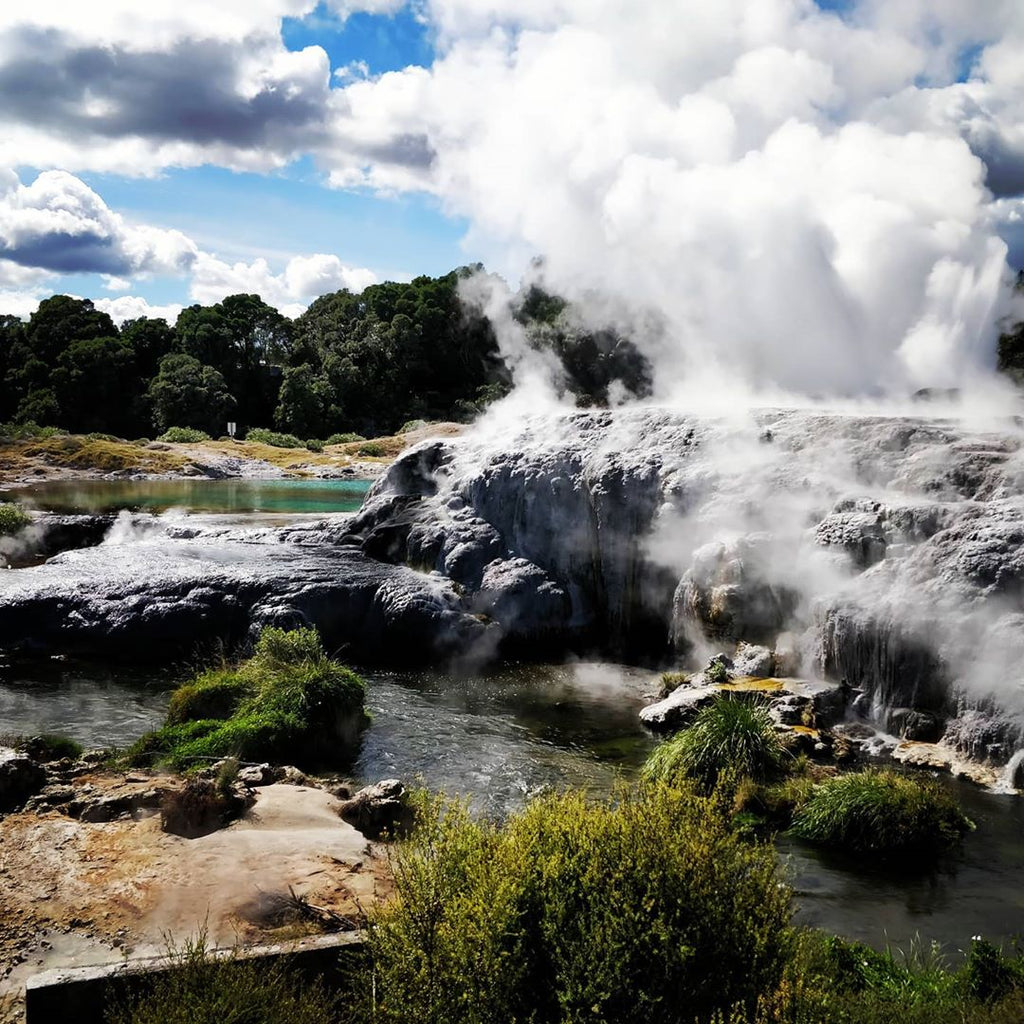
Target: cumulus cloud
{"points": [[131, 307], [180, 84], [804, 198], [303, 279], [58, 224]]}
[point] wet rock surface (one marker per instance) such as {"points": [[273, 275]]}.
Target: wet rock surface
{"points": [[379, 810], [884, 553]]}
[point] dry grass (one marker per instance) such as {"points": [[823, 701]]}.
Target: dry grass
{"points": [[79, 455], [74, 452]]}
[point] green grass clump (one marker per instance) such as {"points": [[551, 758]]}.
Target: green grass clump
{"points": [[881, 812], [261, 435], [216, 693], [734, 734], [203, 989], [13, 518], [372, 450], [288, 703], [28, 431], [183, 435], [834, 981], [348, 438], [410, 425], [632, 911]]}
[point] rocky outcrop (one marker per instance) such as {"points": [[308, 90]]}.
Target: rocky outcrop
{"points": [[379, 810], [884, 553], [167, 591], [49, 535], [20, 778]]}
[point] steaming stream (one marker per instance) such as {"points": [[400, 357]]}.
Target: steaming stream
{"points": [[502, 736]]}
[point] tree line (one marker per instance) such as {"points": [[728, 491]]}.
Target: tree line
{"points": [[364, 363]]}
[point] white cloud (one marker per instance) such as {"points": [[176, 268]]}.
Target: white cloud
{"points": [[131, 307], [303, 279], [58, 224], [794, 192]]}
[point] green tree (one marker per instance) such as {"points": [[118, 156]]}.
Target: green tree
{"points": [[245, 339], [150, 339], [185, 393], [304, 403], [98, 387]]}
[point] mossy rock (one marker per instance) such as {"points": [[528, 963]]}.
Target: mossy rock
{"points": [[288, 703]]}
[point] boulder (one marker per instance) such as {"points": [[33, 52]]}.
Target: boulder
{"points": [[380, 810], [20, 778]]}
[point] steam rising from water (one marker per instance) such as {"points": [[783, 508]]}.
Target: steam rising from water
{"points": [[802, 199]]}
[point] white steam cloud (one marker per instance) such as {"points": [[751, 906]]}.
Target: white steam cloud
{"points": [[805, 197]]}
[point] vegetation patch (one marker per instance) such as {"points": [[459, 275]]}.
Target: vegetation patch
{"points": [[734, 734], [881, 812], [260, 435], [208, 989], [13, 519], [579, 911], [68, 451], [288, 703], [183, 435]]}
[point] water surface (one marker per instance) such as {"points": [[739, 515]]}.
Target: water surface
{"points": [[505, 735], [218, 496]]}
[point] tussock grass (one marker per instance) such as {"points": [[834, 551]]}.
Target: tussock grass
{"points": [[13, 519], [881, 812], [288, 703], [204, 989], [734, 734]]}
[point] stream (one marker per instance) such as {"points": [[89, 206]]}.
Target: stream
{"points": [[500, 736]]}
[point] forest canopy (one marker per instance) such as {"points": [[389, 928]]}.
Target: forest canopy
{"points": [[364, 363]]}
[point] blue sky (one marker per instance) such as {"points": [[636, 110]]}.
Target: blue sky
{"points": [[292, 147]]}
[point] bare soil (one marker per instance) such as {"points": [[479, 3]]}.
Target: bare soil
{"points": [[74, 893]]}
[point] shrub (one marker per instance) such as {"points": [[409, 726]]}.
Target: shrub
{"points": [[95, 435], [203, 806], [733, 734], [578, 911], [260, 435], [289, 702], [882, 812], [50, 747], [183, 435], [314, 445], [372, 449], [348, 438], [203, 989], [13, 519], [410, 425], [28, 431]]}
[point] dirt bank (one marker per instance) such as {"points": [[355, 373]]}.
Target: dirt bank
{"points": [[71, 456], [74, 893]]}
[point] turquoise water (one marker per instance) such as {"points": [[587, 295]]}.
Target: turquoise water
{"points": [[229, 496]]}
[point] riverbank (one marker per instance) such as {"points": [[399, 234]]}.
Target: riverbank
{"points": [[78, 892], [82, 457]]}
